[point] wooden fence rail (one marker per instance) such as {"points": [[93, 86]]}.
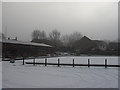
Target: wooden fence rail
{"points": [[64, 64], [73, 64]]}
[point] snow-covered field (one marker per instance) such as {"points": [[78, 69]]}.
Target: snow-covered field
{"points": [[0, 74], [16, 75]]}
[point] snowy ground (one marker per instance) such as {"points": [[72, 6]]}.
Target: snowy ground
{"points": [[0, 74], [28, 76]]}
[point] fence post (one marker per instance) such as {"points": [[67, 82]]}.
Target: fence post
{"points": [[105, 63], [73, 62], [34, 61], [58, 62], [23, 60], [45, 61], [88, 62]]}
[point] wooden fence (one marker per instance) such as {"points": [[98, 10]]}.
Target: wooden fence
{"points": [[73, 64]]}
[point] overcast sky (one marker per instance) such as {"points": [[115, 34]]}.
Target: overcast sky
{"points": [[96, 20], [0, 17]]}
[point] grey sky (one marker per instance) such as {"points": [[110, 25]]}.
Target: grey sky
{"points": [[95, 20], [0, 17]]}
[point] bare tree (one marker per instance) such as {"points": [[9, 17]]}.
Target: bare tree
{"points": [[65, 40], [2, 36], [75, 36], [54, 35], [42, 35], [37, 34], [68, 40]]}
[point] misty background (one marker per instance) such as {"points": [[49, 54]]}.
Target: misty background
{"points": [[97, 20], [0, 17]]}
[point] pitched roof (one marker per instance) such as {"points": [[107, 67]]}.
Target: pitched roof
{"points": [[25, 43], [84, 43]]}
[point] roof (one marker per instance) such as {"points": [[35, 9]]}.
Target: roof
{"points": [[84, 44], [98, 41], [25, 43]]}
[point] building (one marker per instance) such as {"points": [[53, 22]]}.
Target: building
{"points": [[14, 48], [101, 45], [88, 46], [84, 45], [113, 46]]}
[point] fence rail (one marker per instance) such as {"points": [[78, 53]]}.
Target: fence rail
{"points": [[73, 64], [63, 64]]}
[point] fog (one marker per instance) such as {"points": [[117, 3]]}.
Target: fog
{"points": [[0, 17], [97, 20]]}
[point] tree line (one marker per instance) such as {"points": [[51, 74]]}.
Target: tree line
{"points": [[55, 38]]}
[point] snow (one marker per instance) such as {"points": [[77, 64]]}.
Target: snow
{"points": [[24, 43], [0, 75], [16, 75]]}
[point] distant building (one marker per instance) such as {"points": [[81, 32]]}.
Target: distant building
{"points": [[85, 45], [101, 45], [113, 46]]}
